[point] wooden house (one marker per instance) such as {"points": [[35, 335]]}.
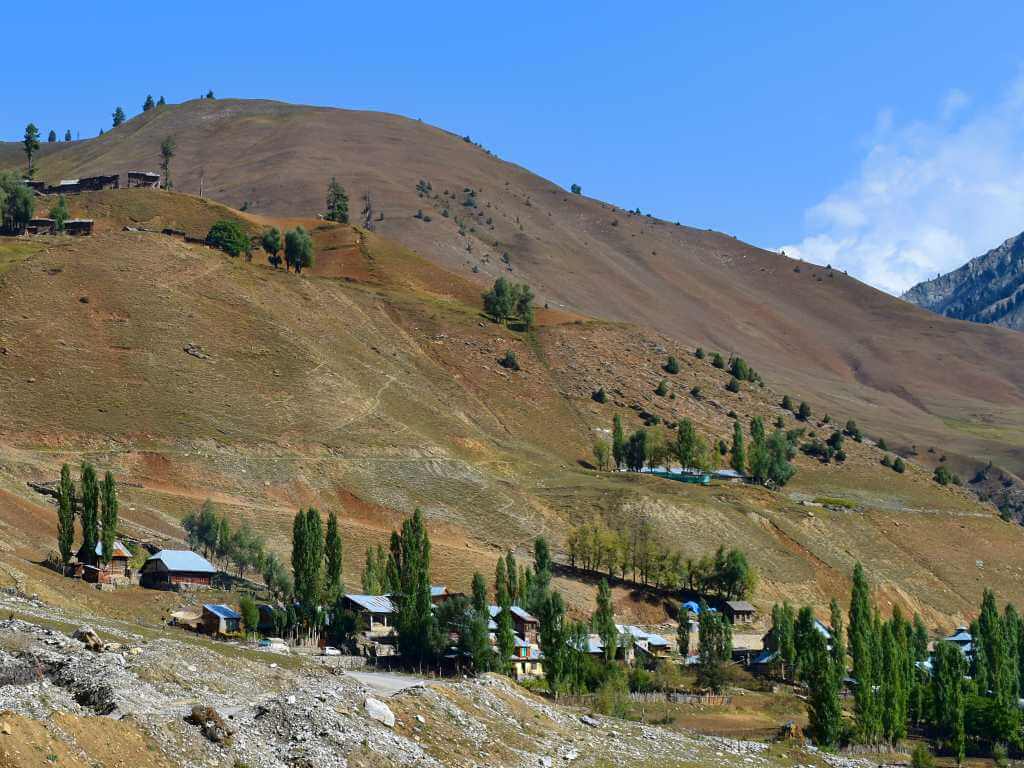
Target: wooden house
{"points": [[145, 179], [740, 612], [177, 569], [95, 571], [78, 227], [220, 619]]}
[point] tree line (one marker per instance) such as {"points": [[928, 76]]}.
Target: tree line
{"points": [[961, 700], [241, 547], [636, 548], [766, 459], [94, 503], [508, 301]]}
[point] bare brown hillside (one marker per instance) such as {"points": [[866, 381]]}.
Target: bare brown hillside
{"points": [[371, 385], [904, 373]]}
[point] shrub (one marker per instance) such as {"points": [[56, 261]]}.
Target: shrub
{"points": [[886, 461], [662, 388], [882, 446], [852, 430], [787, 402], [599, 395], [921, 757], [999, 755], [511, 362], [722, 448], [733, 385], [228, 236], [717, 360], [672, 365], [699, 353], [899, 465], [739, 368], [943, 476], [804, 412], [696, 392]]}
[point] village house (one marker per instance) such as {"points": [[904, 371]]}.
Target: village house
{"points": [[41, 226], [740, 611], [526, 660], [648, 646], [219, 619], [177, 569], [95, 571], [145, 179], [78, 227]]}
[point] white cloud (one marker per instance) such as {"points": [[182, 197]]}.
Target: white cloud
{"points": [[928, 197]]}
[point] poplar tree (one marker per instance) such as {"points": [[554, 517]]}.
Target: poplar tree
{"points": [[553, 640], [892, 685], [838, 635], [512, 575], [506, 639], [371, 578], [948, 697], [541, 581], [415, 616], [479, 591], [307, 561], [108, 501], [333, 553], [803, 639], [603, 622], [737, 454], [715, 648], [824, 677], [862, 648], [618, 442], [683, 632], [65, 514], [90, 512]]}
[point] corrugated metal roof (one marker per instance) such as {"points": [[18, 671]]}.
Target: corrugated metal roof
{"points": [[523, 615], [223, 611], [183, 560], [740, 605], [373, 603], [119, 550], [438, 591]]}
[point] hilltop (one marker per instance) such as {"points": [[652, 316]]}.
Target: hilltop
{"points": [[370, 385], [984, 290], [908, 375]]}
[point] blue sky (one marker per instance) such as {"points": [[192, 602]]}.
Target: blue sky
{"points": [[826, 131]]}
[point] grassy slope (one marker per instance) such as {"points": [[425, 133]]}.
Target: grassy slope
{"points": [[372, 386], [851, 350]]}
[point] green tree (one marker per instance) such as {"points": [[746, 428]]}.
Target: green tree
{"points": [[576, 189], [683, 632], [229, 236], [899, 465], [17, 203], [672, 365], [603, 621], [949, 697], [67, 135], [60, 213], [161, 101], [209, 94], [118, 117], [250, 614], [65, 515], [601, 451], [307, 561], [804, 411], [337, 202], [861, 632], [271, 243], [618, 442], [30, 143], [416, 629], [333, 553], [479, 592], [108, 504], [52, 138], [298, 249], [824, 679], [892, 689], [167, 149], [245, 549], [506, 635], [223, 546], [737, 454], [553, 640], [90, 512], [942, 475], [148, 104], [715, 649], [499, 302]]}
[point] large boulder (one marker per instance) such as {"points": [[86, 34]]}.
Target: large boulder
{"points": [[88, 637], [379, 711], [210, 723]]}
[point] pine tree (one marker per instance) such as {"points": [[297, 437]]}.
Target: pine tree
{"points": [[118, 117], [90, 513], [618, 442], [161, 101], [65, 515], [30, 143], [737, 454], [337, 202], [67, 135], [603, 622], [52, 138], [148, 104], [108, 501], [333, 553]]}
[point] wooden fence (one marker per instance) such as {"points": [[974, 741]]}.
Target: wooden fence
{"points": [[657, 697]]}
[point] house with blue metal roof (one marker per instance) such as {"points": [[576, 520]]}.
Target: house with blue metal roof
{"points": [[220, 619], [177, 569]]}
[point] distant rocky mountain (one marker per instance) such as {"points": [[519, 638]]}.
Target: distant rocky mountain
{"points": [[988, 289]]}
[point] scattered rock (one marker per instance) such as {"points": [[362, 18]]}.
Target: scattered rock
{"points": [[210, 723], [379, 711], [196, 351], [588, 720], [88, 637]]}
